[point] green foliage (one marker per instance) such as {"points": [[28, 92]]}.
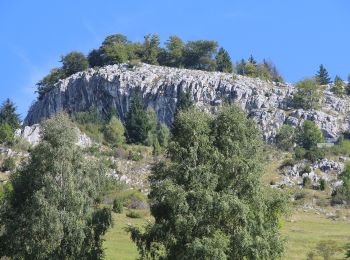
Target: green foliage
{"points": [[338, 87], [118, 205], [114, 132], [184, 102], [207, 201], [323, 184], [327, 249], [265, 70], [306, 182], [133, 214], [48, 82], [322, 77], [74, 62], [95, 58], [9, 164], [163, 135], [140, 125], [91, 123], [285, 138], [151, 49], [342, 193], [174, 52], [223, 61], [114, 53], [200, 55], [309, 135], [50, 212], [8, 114], [299, 152], [307, 95], [6, 134], [314, 154]]}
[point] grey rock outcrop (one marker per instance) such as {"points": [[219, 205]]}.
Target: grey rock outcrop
{"points": [[31, 134], [111, 87]]}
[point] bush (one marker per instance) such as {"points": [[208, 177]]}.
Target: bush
{"points": [[114, 132], [288, 162], [133, 214], [307, 95], [6, 134], [285, 138], [118, 205], [9, 164], [323, 184], [299, 152], [314, 154], [300, 195], [307, 169], [306, 182]]}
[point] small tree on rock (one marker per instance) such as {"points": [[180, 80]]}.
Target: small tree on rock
{"points": [[223, 61], [322, 76]]}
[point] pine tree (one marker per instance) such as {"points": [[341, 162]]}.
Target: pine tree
{"points": [[251, 59], [8, 114], [223, 61], [322, 76], [137, 122], [49, 213], [151, 49]]}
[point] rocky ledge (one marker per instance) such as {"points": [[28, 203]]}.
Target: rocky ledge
{"points": [[111, 87]]}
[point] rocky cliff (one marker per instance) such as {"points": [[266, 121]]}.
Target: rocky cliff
{"points": [[113, 86]]}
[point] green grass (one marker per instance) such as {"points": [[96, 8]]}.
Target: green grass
{"points": [[118, 244], [303, 230]]}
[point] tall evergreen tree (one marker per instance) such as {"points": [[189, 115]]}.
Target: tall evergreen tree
{"points": [[137, 122], [251, 59], [207, 201], [8, 114], [241, 67], [322, 76], [223, 61], [49, 213]]}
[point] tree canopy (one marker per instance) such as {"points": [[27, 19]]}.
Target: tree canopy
{"points": [[307, 94], [9, 115], [207, 200], [322, 76], [49, 213]]}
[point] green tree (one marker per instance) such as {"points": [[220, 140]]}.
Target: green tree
{"points": [[174, 52], [309, 135], [240, 67], [6, 134], [74, 62], [273, 72], [200, 55], [115, 53], [9, 115], [207, 201], [95, 58], [152, 128], [251, 70], [48, 82], [115, 38], [348, 86], [184, 102], [223, 61], [50, 213], [151, 49], [285, 138], [114, 132], [322, 76], [252, 60], [307, 95], [137, 124], [163, 135], [338, 87]]}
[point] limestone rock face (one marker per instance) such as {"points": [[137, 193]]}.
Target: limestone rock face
{"points": [[111, 87]]}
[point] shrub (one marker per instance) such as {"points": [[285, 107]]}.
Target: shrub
{"points": [[300, 195], [314, 154], [114, 132], [307, 169], [9, 164], [285, 138], [6, 134], [307, 95], [118, 205], [323, 184], [133, 214], [288, 162], [306, 182], [299, 152]]}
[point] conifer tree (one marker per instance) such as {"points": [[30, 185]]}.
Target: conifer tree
{"points": [[8, 114], [322, 76], [223, 61]]}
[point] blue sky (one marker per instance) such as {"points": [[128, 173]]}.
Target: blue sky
{"points": [[297, 35]]}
